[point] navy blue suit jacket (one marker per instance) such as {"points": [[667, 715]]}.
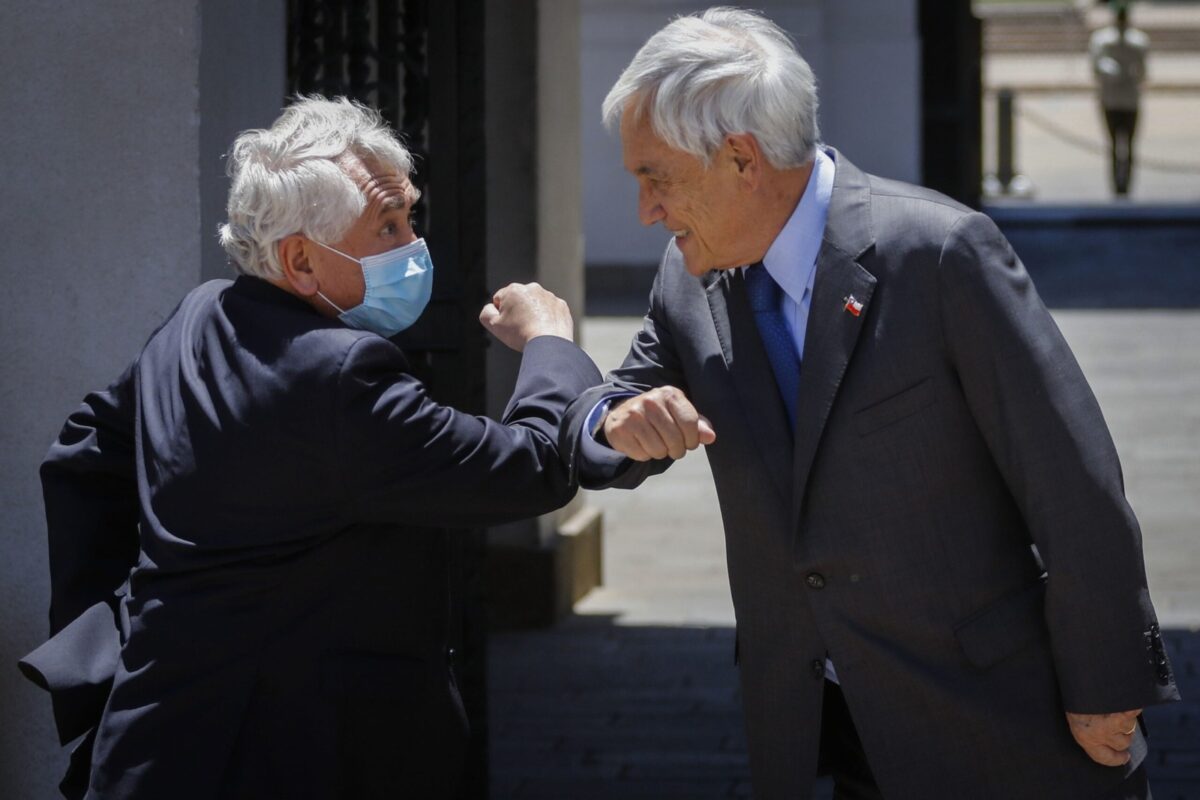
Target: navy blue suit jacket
{"points": [[252, 508]]}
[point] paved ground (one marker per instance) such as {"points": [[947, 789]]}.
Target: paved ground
{"points": [[636, 697], [1062, 145]]}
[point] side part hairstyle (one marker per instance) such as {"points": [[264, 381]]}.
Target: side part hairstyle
{"points": [[722, 71]]}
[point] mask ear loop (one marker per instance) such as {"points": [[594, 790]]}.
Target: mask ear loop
{"points": [[336, 307], [335, 250], [320, 294]]}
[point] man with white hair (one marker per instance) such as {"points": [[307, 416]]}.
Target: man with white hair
{"points": [[938, 582], [249, 587]]}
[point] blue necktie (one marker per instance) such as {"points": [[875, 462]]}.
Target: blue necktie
{"points": [[766, 302]]}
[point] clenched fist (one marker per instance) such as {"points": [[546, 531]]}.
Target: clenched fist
{"points": [[523, 311], [655, 424]]}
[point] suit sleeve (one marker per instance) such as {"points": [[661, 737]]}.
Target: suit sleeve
{"points": [[1047, 435], [652, 361], [89, 485], [407, 458], [90, 488]]}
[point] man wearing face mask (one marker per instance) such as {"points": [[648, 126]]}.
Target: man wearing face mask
{"points": [[249, 593]]}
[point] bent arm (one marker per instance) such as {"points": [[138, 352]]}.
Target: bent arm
{"points": [[652, 362], [90, 488], [406, 458], [89, 485]]}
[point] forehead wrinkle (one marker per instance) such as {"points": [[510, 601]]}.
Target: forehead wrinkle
{"points": [[383, 189], [382, 198], [394, 203]]}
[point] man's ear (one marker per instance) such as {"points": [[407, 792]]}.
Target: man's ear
{"points": [[297, 268], [747, 158]]}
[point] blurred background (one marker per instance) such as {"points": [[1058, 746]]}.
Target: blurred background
{"points": [[1039, 52]]}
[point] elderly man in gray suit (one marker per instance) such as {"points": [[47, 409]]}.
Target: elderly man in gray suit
{"points": [[939, 585]]}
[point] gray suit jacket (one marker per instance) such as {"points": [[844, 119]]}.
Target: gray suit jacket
{"points": [[945, 437]]}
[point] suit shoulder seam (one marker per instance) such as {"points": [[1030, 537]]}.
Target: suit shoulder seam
{"points": [[950, 204]]}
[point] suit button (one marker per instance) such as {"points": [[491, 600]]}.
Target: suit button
{"points": [[818, 668], [815, 580]]}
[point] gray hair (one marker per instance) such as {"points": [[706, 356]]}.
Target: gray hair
{"points": [[725, 70], [291, 178]]}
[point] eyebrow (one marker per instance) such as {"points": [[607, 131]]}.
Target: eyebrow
{"points": [[395, 203]]}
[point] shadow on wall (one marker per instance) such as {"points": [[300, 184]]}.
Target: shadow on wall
{"points": [[592, 710]]}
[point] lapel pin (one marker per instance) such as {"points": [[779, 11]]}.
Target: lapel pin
{"points": [[852, 305]]}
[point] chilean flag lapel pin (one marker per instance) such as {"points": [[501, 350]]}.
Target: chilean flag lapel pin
{"points": [[852, 305]]}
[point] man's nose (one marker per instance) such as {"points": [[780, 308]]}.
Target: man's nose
{"points": [[650, 210]]}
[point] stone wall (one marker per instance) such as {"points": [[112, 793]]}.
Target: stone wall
{"points": [[115, 118]]}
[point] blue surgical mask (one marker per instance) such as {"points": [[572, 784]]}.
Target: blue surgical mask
{"points": [[398, 285]]}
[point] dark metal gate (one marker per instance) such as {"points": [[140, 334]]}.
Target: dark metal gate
{"points": [[420, 62], [951, 104]]}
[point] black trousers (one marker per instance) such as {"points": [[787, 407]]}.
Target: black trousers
{"points": [[1121, 126], [841, 755]]}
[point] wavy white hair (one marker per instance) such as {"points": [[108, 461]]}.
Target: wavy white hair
{"points": [[291, 178], [724, 70]]}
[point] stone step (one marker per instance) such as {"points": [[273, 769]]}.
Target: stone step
{"points": [[1065, 29]]}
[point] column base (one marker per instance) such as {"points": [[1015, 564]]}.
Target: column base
{"points": [[535, 587]]}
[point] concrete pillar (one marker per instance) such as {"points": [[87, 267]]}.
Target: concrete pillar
{"points": [[870, 85], [115, 115], [538, 567]]}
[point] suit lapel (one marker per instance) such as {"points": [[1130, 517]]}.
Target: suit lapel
{"points": [[747, 362], [830, 338], [829, 343], [833, 329]]}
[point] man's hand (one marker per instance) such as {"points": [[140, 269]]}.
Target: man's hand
{"points": [[655, 424], [1105, 737], [522, 311]]}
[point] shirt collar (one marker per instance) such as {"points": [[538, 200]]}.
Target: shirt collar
{"points": [[792, 258]]}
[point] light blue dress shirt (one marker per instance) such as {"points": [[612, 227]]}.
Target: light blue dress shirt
{"points": [[791, 259]]}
